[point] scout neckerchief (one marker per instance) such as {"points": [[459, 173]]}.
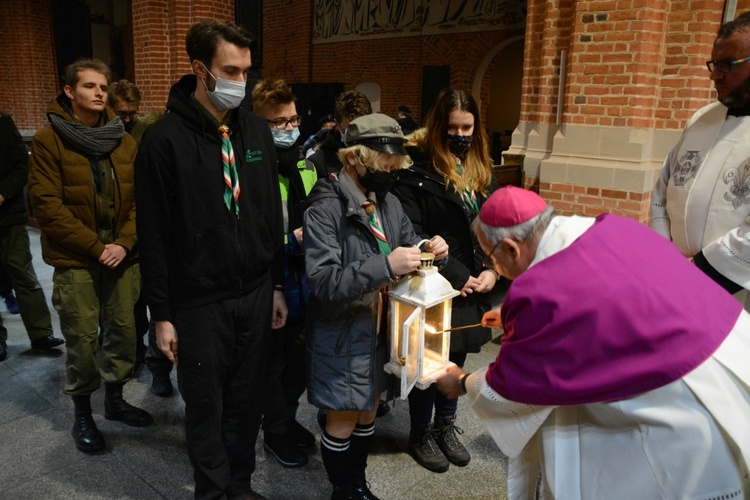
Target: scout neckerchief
{"points": [[469, 196], [375, 226], [231, 181]]}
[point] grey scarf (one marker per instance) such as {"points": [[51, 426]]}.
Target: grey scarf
{"points": [[93, 141]]}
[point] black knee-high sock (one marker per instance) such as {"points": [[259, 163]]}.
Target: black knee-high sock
{"points": [[360, 447], [336, 455]]}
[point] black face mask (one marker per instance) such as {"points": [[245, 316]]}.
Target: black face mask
{"points": [[377, 181], [459, 144]]}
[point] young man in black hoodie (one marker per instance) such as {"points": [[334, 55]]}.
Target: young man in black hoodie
{"points": [[210, 223]]}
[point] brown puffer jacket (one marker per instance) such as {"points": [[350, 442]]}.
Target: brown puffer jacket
{"points": [[63, 196]]}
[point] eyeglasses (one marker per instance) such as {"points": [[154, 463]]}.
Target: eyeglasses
{"points": [[124, 114], [487, 261], [282, 123], [724, 66]]}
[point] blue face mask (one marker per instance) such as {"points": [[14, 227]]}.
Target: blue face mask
{"points": [[285, 138]]}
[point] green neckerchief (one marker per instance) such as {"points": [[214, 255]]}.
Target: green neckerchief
{"points": [[469, 196], [229, 160]]}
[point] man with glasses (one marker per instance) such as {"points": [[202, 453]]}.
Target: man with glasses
{"points": [[283, 436], [702, 199], [124, 98], [210, 227]]}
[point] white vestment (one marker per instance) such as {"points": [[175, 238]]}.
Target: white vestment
{"points": [[688, 439], [702, 198]]}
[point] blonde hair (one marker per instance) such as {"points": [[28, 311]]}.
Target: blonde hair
{"points": [[369, 157]]}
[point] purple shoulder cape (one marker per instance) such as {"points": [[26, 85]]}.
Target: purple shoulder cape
{"points": [[617, 313]]}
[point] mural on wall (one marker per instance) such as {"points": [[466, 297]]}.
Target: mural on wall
{"points": [[343, 20]]}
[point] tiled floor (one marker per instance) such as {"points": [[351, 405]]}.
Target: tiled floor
{"points": [[38, 458]]}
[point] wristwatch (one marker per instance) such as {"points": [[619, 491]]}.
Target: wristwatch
{"points": [[462, 382]]}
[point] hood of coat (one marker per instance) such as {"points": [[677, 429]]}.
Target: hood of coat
{"points": [[331, 188]]}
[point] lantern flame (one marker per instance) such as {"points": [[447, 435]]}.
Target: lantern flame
{"points": [[430, 329]]}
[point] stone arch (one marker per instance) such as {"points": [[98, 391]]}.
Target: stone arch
{"points": [[499, 118], [476, 88]]}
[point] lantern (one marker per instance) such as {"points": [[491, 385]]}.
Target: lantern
{"points": [[419, 327]]}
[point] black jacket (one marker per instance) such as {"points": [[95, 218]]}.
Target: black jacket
{"points": [[14, 172], [193, 250], [433, 210], [326, 158]]}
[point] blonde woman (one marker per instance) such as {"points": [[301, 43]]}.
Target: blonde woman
{"points": [[443, 191]]}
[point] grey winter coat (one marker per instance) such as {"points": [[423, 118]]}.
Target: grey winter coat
{"points": [[345, 272]]}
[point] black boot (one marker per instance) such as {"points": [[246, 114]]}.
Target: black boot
{"points": [[447, 440], [87, 437], [116, 408]]}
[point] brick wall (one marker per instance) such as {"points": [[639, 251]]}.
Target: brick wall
{"points": [[159, 29], [28, 79], [631, 63], [569, 199], [395, 64], [548, 28], [635, 74]]}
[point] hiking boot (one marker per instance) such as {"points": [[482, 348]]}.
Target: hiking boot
{"points": [[447, 439], [424, 449]]}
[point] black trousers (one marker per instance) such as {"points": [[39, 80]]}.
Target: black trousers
{"points": [[287, 377], [422, 402], [223, 350]]}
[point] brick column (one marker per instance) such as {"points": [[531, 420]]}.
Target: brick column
{"points": [[159, 29], [635, 74]]}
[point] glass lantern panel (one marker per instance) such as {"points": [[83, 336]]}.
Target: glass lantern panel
{"points": [[401, 313], [410, 352], [435, 344]]}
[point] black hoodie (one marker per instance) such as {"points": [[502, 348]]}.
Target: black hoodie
{"points": [[193, 250]]}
